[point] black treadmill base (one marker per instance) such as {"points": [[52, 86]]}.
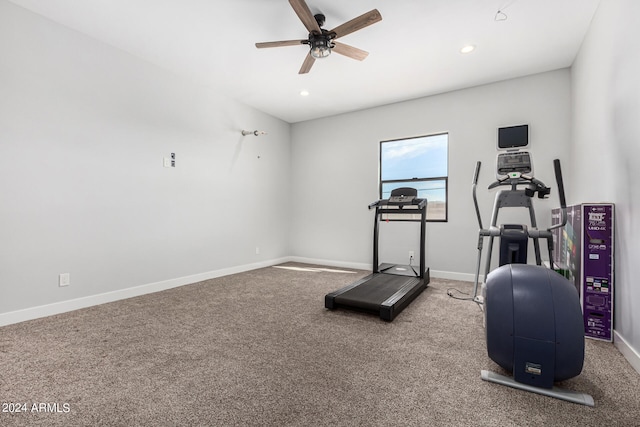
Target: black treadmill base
{"points": [[383, 294]]}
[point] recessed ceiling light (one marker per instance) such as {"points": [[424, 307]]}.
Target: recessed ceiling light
{"points": [[467, 49], [304, 93]]}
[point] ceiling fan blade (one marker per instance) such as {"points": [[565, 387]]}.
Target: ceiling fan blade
{"points": [[305, 15], [358, 23], [350, 51], [281, 43], [307, 64]]}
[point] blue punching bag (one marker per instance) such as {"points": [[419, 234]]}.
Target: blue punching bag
{"points": [[534, 325]]}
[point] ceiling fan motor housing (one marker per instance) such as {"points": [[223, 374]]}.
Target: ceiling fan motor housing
{"points": [[320, 18]]}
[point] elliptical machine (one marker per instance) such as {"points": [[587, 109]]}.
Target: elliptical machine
{"points": [[515, 169], [533, 317]]}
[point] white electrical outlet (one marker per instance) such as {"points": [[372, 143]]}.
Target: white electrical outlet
{"points": [[166, 162], [411, 254], [64, 279], [257, 250]]}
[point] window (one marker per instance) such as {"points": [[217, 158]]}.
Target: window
{"points": [[421, 163]]}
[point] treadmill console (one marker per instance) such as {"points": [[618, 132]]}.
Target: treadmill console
{"points": [[403, 196], [513, 163], [401, 199]]}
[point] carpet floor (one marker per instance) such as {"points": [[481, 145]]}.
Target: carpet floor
{"points": [[259, 349]]}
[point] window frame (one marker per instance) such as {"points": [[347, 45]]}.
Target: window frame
{"points": [[381, 182]]}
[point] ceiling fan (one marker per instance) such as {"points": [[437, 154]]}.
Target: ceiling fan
{"points": [[322, 42]]}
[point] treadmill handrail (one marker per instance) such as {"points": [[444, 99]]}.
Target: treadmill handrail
{"points": [[374, 204], [420, 203]]}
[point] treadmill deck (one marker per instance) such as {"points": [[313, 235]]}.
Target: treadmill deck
{"points": [[380, 293]]}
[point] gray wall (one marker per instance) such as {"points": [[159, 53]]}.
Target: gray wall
{"points": [[606, 146], [335, 170], [84, 128], [83, 131]]}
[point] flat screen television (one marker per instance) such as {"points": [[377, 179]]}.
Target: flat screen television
{"points": [[513, 137]]}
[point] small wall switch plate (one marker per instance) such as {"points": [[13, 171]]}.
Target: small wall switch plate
{"points": [[167, 162], [64, 279]]}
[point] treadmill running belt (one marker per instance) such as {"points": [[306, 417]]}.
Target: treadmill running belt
{"points": [[373, 292]]}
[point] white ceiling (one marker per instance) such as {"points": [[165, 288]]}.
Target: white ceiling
{"points": [[414, 50]]}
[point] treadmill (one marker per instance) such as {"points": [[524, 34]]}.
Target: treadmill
{"points": [[390, 287]]}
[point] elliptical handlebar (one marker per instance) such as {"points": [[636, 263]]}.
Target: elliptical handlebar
{"points": [[477, 172], [473, 189], [535, 185], [558, 170], [561, 196], [498, 183]]}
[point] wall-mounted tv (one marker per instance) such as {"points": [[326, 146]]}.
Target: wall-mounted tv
{"points": [[513, 137]]}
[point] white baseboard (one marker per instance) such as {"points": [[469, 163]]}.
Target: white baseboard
{"points": [[331, 263], [89, 301], [92, 300], [452, 275], [627, 351], [466, 277]]}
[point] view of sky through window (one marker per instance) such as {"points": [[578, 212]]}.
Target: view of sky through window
{"points": [[422, 157]]}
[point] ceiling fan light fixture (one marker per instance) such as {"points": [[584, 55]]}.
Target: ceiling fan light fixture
{"points": [[320, 47]]}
